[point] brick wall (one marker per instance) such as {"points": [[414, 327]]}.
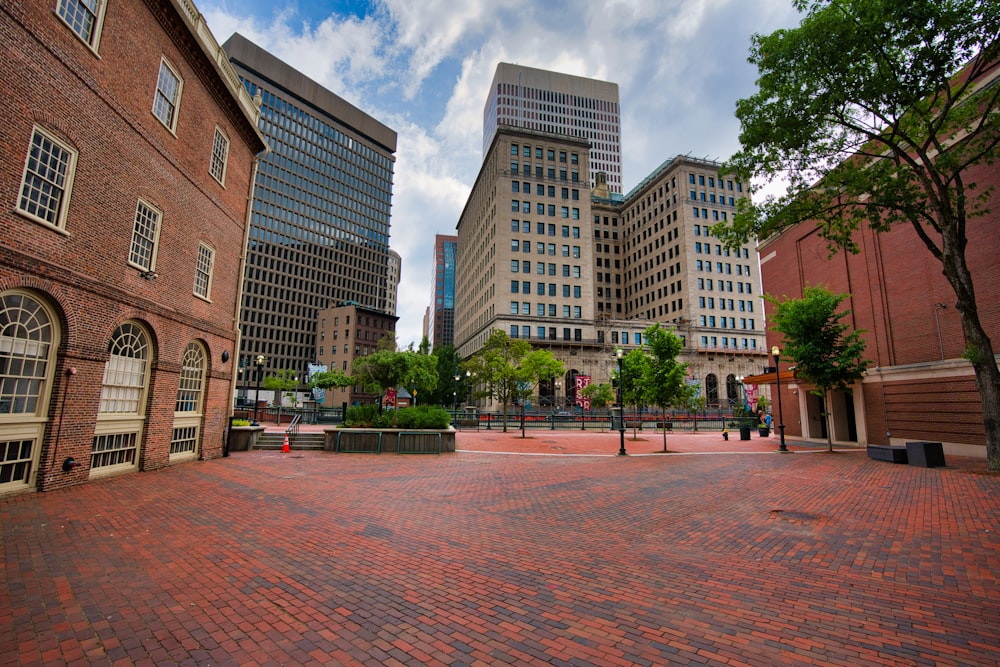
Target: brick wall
{"points": [[102, 107], [896, 285]]}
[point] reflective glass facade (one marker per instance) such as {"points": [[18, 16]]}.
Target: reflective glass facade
{"points": [[319, 228]]}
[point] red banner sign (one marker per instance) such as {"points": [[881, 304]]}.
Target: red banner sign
{"points": [[581, 382]]}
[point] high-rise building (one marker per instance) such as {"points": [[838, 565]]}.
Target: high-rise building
{"points": [[526, 259], [319, 231], [392, 281], [125, 166], [441, 314], [582, 273], [555, 103]]}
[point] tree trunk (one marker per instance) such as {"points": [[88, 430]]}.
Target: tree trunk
{"points": [[978, 346], [829, 422]]}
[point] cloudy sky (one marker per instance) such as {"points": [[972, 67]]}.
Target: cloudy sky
{"points": [[423, 67]]}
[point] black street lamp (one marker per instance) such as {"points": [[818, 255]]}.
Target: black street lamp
{"points": [[776, 353], [454, 393], [621, 406], [259, 363]]}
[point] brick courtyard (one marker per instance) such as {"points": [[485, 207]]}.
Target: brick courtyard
{"points": [[562, 555]]}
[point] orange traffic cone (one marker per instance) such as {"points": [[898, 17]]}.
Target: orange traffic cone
{"points": [[285, 446]]}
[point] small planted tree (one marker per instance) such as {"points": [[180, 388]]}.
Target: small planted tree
{"points": [[827, 354], [663, 383], [508, 369], [391, 368], [600, 396], [282, 383], [333, 379]]}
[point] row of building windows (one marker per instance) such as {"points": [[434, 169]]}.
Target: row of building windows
{"points": [[519, 287], [725, 322], [724, 286], [543, 333], [728, 342], [541, 228], [550, 153], [524, 266], [518, 206], [518, 187], [545, 310], [701, 180], [725, 304], [517, 245]]}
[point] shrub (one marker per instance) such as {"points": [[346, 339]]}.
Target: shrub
{"points": [[422, 416], [241, 422]]}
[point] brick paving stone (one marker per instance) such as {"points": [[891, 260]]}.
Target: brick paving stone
{"points": [[544, 550]]}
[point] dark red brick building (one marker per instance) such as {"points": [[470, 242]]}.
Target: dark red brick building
{"points": [[918, 386], [127, 149]]}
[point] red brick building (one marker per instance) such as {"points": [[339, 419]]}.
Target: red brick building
{"points": [[346, 332], [918, 386], [127, 148]]}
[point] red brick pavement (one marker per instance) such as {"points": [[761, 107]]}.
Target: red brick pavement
{"points": [[475, 558]]}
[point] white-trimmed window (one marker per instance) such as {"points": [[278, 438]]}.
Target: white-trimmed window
{"points": [[189, 406], [85, 18], [123, 399], [47, 180], [145, 234], [29, 338], [168, 95], [220, 156], [125, 371], [203, 271]]}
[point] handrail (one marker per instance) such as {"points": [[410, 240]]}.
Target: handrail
{"points": [[293, 428]]}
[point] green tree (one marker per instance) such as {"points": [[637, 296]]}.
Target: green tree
{"points": [[827, 355], [448, 391], [635, 366], [601, 395], [508, 369], [282, 383], [663, 383], [391, 368], [332, 379], [875, 113]]}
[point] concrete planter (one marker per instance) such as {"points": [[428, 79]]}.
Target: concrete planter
{"points": [[376, 440], [244, 438]]}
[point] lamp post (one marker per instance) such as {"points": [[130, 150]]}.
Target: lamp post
{"points": [[776, 353], [454, 393], [259, 363], [555, 399], [621, 406]]}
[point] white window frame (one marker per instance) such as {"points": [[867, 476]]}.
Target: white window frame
{"points": [[175, 102], [138, 234], [220, 156], [39, 175], [203, 270], [93, 40]]}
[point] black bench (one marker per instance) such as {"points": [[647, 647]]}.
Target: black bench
{"points": [[925, 454], [890, 453]]}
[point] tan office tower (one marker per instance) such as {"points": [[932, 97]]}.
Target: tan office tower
{"points": [[673, 271], [526, 259], [555, 103]]}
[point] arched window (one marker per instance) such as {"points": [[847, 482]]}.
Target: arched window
{"points": [[732, 390], [29, 338], [190, 399], [711, 390], [192, 385], [123, 400], [125, 371]]}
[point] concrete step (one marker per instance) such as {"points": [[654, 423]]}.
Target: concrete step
{"points": [[310, 441]]}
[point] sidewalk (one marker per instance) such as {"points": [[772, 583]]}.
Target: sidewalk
{"points": [[548, 550]]}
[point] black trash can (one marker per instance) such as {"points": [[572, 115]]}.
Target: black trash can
{"points": [[744, 431]]}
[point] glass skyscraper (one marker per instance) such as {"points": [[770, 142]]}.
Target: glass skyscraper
{"points": [[319, 228], [442, 313]]}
